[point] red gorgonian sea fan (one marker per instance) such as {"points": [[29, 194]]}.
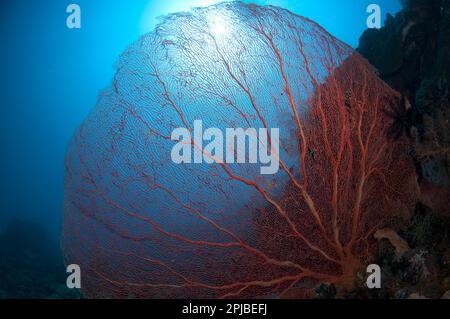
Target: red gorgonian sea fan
{"points": [[140, 225]]}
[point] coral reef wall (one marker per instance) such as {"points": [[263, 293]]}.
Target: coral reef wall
{"points": [[412, 54]]}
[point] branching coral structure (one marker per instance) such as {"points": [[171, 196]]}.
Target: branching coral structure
{"points": [[140, 225]]}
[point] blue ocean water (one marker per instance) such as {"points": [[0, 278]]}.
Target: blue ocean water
{"points": [[51, 77]]}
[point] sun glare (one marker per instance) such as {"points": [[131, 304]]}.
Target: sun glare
{"points": [[219, 26], [155, 9]]}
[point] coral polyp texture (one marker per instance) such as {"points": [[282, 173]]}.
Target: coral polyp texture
{"points": [[141, 226]]}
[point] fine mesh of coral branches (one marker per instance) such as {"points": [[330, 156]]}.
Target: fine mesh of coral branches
{"points": [[140, 225]]}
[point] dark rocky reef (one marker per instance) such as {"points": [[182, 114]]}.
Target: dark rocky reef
{"points": [[412, 54], [31, 264]]}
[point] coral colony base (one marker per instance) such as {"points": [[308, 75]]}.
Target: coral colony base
{"points": [[140, 225]]}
